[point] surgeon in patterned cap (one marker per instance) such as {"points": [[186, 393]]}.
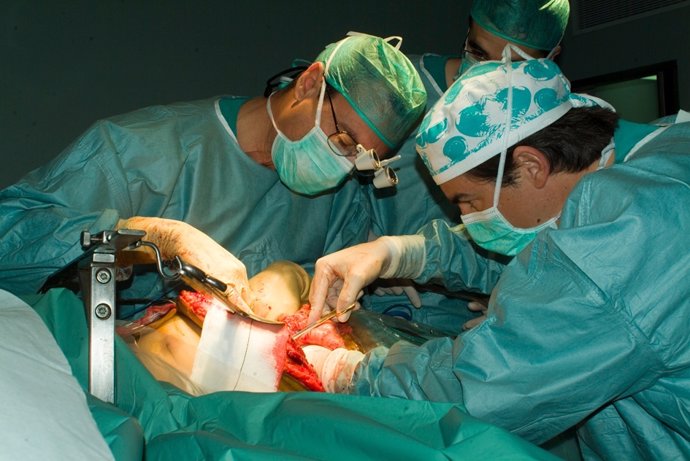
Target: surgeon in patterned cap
{"points": [[488, 110], [585, 325]]}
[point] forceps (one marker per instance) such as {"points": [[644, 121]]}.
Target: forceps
{"points": [[322, 320]]}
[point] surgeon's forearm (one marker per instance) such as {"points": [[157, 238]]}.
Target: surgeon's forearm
{"points": [[452, 260]]}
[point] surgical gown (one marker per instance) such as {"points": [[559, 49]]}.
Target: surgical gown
{"points": [[237, 425], [587, 327], [180, 161], [414, 202]]}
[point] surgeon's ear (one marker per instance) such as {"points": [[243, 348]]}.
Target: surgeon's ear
{"points": [[309, 82], [532, 165]]}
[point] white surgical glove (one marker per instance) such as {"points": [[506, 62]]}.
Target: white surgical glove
{"points": [[398, 287], [475, 306], [177, 238], [334, 368], [401, 287], [342, 275]]}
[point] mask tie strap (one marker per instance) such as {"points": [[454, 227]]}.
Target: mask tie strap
{"points": [[606, 154], [552, 53], [270, 113], [322, 93], [508, 121], [394, 37]]}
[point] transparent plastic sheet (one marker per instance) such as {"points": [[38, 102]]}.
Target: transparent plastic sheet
{"points": [[169, 349], [370, 330], [284, 425]]}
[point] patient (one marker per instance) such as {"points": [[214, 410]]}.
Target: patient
{"points": [[167, 346]]}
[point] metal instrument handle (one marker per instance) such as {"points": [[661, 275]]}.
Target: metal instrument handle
{"points": [[322, 320]]}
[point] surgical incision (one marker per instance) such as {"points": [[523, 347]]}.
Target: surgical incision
{"points": [[166, 338]]}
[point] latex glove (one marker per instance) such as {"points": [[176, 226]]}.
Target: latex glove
{"points": [[340, 277], [334, 368], [332, 301], [177, 238], [398, 288], [475, 306]]}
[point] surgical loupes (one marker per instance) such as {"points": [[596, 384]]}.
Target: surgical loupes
{"points": [[368, 160]]}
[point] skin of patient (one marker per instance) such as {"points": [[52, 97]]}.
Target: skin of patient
{"points": [[168, 351]]}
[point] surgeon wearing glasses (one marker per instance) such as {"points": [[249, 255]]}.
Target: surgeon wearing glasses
{"points": [[229, 184]]}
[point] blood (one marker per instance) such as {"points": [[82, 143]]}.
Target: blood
{"points": [[196, 302], [288, 352], [151, 315], [296, 364]]}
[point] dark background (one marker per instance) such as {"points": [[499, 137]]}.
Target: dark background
{"points": [[65, 64]]}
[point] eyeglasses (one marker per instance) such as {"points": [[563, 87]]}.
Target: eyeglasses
{"points": [[469, 49], [343, 144]]}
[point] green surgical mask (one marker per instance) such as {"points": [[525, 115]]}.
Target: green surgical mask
{"points": [[491, 230], [467, 61], [308, 165]]}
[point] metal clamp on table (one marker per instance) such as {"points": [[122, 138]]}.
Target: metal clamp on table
{"points": [[97, 278], [96, 273]]}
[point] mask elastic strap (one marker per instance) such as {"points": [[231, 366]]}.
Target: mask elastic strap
{"points": [[322, 93], [606, 154], [552, 53], [270, 113], [509, 118]]}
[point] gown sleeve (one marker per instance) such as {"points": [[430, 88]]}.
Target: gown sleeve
{"points": [[542, 361], [118, 168], [85, 188], [454, 261]]}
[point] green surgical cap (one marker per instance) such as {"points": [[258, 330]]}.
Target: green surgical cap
{"points": [[380, 83], [538, 24]]}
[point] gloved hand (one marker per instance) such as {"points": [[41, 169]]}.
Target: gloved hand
{"points": [[340, 277], [475, 306], [399, 287], [177, 238], [333, 367]]}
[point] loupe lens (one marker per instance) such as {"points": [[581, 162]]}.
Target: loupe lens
{"points": [[385, 177], [367, 160]]}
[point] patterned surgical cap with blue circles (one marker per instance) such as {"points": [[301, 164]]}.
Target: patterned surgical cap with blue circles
{"points": [[467, 126]]}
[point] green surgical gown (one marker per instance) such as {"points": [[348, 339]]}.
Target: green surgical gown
{"points": [[587, 327], [414, 202], [268, 426], [180, 161]]}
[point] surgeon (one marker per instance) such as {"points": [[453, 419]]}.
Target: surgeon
{"points": [[230, 184], [535, 28], [587, 325]]}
